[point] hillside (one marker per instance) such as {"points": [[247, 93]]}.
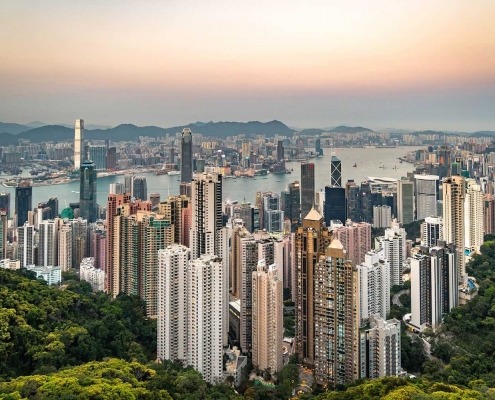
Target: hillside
{"points": [[43, 329], [350, 129], [14, 129], [117, 379]]}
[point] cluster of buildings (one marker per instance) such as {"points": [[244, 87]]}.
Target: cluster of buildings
{"points": [[215, 275]]}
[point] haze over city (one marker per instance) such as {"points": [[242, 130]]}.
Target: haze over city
{"points": [[415, 65]]}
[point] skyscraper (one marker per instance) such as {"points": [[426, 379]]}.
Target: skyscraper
{"points": [[78, 144], [268, 314], [177, 209], [186, 160], [3, 234], [431, 231], [454, 193], [172, 303], [434, 285], [116, 188], [374, 286], [5, 203], [26, 245], [244, 249], [87, 192], [393, 244], [335, 172], [139, 188], [473, 212], [307, 188], [380, 353], [23, 202], [356, 239], [426, 195], [311, 240], [206, 316], [336, 318], [280, 151], [335, 204], [382, 215], [139, 236], [48, 243], [292, 203], [65, 247], [112, 274], [206, 198], [405, 201], [98, 154], [273, 217]]}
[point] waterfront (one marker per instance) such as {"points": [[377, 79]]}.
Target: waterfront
{"points": [[369, 162]]}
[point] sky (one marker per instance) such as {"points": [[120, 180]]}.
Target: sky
{"points": [[309, 63]]}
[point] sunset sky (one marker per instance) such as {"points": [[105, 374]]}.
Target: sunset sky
{"points": [[405, 64]]}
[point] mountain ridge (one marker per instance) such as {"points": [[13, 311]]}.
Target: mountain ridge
{"points": [[126, 132]]}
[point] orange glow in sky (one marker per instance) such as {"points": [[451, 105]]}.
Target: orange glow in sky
{"points": [[175, 53]]}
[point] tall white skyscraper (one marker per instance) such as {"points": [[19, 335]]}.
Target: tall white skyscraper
{"points": [[426, 195], [374, 286], [27, 242], [473, 216], [172, 303], [393, 244], [78, 144], [434, 286], [380, 349], [431, 231], [48, 243], [268, 327], [205, 316]]}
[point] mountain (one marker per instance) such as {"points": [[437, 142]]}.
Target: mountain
{"points": [[132, 132], [14, 129], [350, 129], [483, 134], [224, 128], [311, 132]]}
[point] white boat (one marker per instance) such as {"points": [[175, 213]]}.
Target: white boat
{"points": [[174, 172]]}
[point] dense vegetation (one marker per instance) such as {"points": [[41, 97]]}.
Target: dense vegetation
{"points": [[116, 379], [465, 344], [405, 389], [43, 329]]}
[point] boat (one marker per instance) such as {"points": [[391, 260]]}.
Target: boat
{"points": [[173, 172]]}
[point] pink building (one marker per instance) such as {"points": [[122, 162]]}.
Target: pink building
{"points": [[356, 239]]}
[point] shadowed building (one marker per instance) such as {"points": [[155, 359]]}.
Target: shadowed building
{"points": [[23, 202], [87, 192], [186, 161], [307, 188]]}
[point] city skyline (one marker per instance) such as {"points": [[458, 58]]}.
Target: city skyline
{"points": [[417, 65]]}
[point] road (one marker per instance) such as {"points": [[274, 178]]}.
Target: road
{"points": [[395, 298]]}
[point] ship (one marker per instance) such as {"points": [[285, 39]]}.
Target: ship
{"points": [[174, 172]]}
